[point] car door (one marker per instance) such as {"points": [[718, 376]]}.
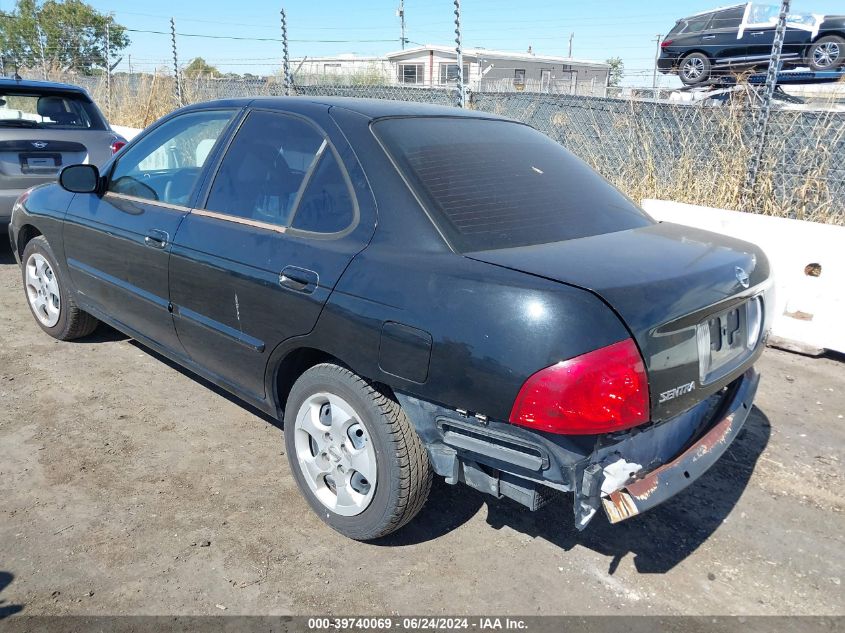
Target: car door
{"points": [[722, 38], [254, 264], [117, 245]]}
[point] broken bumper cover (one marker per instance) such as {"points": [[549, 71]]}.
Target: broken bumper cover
{"points": [[626, 473], [653, 488]]}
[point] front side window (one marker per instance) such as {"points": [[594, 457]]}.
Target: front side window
{"points": [[449, 73], [411, 73], [496, 184], [165, 164], [728, 19]]}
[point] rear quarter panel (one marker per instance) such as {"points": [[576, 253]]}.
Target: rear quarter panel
{"points": [[490, 328]]}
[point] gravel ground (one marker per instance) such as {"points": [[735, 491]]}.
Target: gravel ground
{"points": [[128, 486]]}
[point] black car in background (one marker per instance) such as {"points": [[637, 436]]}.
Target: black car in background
{"points": [[412, 289], [738, 38]]}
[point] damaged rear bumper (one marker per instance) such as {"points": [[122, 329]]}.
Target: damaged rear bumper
{"points": [[643, 489], [625, 474]]}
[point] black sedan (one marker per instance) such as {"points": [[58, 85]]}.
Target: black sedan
{"points": [[412, 290], [735, 39]]}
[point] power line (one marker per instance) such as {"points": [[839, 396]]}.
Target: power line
{"points": [[258, 39]]}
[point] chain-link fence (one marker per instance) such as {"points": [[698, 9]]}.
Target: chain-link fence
{"points": [[694, 153]]}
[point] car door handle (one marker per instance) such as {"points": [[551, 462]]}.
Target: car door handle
{"points": [[756, 33], [709, 37], [299, 279], [156, 238]]}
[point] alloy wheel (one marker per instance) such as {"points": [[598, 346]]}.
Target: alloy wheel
{"points": [[42, 290], [826, 55], [335, 454], [693, 68]]}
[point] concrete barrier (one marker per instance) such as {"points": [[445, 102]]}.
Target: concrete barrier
{"points": [[808, 261]]}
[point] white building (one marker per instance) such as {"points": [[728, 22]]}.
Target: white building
{"points": [[432, 66]]}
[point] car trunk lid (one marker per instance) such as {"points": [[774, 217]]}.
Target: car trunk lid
{"points": [[676, 288]]}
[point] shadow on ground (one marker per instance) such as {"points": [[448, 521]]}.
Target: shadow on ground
{"points": [[103, 334], [205, 383], [7, 609], [659, 540]]}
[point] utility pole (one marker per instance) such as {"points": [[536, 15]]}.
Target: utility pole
{"points": [[571, 36], [177, 83], [401, 13], [108, 66], [656, 56], [766, 110], [462, 93], [285, 55]]}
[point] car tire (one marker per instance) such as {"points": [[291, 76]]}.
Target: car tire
{"points": [[354, 454], [47, 294], [694, 69], [828, 53]]}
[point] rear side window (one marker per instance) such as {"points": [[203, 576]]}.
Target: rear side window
{"points": [[496, 184], [326, 206], [265, 167], [696, 24]]}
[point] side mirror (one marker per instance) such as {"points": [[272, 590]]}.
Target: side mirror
{"points": [[80, 178]]}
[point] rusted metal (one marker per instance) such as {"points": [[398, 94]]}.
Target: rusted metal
{"points": [[669, 479], [619, 506]]}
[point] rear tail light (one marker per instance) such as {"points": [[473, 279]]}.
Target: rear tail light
{"points": [[598, 392], [117, 145], [666, 43]]}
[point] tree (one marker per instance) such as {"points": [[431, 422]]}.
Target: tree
{"points": [[200, 68], [71, 34], [616, 72]]}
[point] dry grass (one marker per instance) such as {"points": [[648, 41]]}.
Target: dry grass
{"points": [[701, 156]]}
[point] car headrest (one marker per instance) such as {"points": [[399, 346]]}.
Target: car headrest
{"points": [[256, 162], [51, 107]]}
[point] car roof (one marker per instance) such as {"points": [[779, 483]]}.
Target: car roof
{"points": [[371, 108], [717, 9], [6, 82]]}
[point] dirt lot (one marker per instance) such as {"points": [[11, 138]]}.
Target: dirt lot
{"points": [[128, 486]]}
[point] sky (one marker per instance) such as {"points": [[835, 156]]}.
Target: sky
{"points": [[610, 28]]}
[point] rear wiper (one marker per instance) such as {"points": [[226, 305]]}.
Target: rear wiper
{"points": [[18, 123]]}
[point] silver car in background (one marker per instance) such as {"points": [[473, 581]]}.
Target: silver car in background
{"points": [[44, 127]]}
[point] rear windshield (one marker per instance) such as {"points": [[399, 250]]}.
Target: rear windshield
{"points": [[48, 110], [496, 184]]}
